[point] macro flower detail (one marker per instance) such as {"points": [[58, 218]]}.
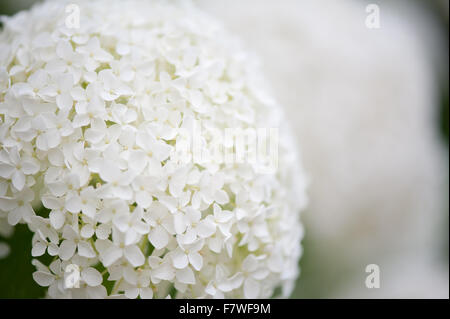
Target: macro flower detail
{"points": [[91, 123]]}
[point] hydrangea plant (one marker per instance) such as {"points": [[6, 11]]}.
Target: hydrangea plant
{"points": [[91, 112]]}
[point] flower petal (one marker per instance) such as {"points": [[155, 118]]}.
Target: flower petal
{"points": [[67, 249], [43, 279], [134, 255], [251, 288], [180, 259], [185, 276], [158, 237], [91, 276]]}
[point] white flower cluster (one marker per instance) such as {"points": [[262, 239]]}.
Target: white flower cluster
{"points": [[89, 120]]}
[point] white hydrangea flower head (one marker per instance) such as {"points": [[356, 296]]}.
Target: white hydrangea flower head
{"points": [[90, 120]]}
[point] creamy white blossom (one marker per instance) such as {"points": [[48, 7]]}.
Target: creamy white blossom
{"points": [[90, 121], [365, 103]]}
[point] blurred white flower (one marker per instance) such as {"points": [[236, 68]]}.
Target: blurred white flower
{"points": [[4, 250], [364, 103]]}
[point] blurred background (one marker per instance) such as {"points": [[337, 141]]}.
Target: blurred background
{"points": [[370, 110]]}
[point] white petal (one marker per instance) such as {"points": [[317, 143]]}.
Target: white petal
{"points": [[221, 197], [144, 199], [206, 228], [187, 238], [7, 204], [231, 283], [85, 249], [158, 237], [121, 222], [18, 180], [52, 249], [6, 170], [53, 138], [179, 259], [91, 276], [94, 136], [43, 279], [131, 237], [111, 255], [89, 210], [215, 244], [137, 161], [67, 249], [164, 272], [260, 273], [132, 293], [134, 255], [14, 217], [41, 142], [73, 204], [57, 218], [196, 260], [103, 231], [141, 228], [38, 249], [222, 216], [80, 120], [87, 231], [196, 200], [109, 171], [250, 263], [30, 166], [185, 276], [251, 288], [64, 101], [179, 222], [146, 293], [130, 275]]}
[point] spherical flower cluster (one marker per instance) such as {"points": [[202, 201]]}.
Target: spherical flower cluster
{"points": [[89, 128]]}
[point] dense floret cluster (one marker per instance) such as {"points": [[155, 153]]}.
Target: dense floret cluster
{"points": [[90, 119]]}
